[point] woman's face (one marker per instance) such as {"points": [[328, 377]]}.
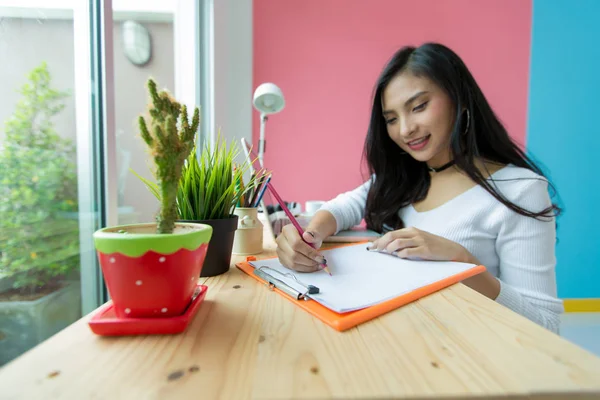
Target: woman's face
{"points": [[419, 117]]}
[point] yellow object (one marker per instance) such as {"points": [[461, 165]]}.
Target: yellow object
{"points": [[582, 305]]}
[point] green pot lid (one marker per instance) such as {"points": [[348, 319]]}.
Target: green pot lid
{"points": [[136, 240]]}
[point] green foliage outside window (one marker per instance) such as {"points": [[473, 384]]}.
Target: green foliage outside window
{"points": [[39, 238]]}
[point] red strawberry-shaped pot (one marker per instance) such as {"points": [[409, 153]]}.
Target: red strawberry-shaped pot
{"points": [[150, 274]]}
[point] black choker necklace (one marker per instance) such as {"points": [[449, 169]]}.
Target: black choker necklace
{"points": [[443, 167]]}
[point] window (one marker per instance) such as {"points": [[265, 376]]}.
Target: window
{"points": [[40, 208]]}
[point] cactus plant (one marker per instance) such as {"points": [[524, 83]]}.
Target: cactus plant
{"points": [[171, 144], [167, 257]]}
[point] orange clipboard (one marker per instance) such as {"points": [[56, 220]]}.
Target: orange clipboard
{"points": [[344, 321]]}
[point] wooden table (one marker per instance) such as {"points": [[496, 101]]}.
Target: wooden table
{"points": [[248, 342]]}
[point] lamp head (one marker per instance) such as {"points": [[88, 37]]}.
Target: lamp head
{"points": [[268, 98]]}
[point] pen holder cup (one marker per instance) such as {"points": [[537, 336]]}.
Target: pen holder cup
{"points": [[248, 237]]}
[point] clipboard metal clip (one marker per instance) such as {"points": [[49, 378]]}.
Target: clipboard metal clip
{"points": [[273, 283]]}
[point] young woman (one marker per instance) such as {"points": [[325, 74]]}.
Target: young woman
{"points": [[447, 183]]}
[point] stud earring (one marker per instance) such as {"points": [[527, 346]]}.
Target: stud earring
{"points": [[468, 122]]}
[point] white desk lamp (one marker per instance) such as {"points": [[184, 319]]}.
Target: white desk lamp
{"points": [[268, 99]]}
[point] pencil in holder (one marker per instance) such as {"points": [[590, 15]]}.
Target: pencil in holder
{"points": [[248, 237]]}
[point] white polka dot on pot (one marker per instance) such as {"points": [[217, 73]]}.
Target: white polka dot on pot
{"points": [[138, 282], [112, 260], [164, 310], [162, 259], [127, 311]]}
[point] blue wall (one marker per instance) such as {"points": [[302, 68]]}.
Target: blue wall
{"points": [[564, 131]]}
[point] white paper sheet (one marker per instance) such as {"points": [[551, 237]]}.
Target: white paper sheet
{"points": [[363, 278]]}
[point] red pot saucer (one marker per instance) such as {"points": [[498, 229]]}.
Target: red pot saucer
{"points": [[105, 322]]}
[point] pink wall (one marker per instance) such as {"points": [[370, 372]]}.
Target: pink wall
{"points": [[326, 55]]}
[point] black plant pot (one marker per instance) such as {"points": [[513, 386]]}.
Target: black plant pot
{"points": [[218, 256]]}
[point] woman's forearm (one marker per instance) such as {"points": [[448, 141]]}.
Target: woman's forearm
{"points": [[323, 223], [484, 283]]}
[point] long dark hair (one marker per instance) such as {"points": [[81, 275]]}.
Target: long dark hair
{"points": [[400, 180]]}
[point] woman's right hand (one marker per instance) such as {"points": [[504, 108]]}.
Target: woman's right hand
{"points": [[295, 254]]}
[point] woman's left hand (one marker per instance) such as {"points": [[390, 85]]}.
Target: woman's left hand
{"points": [[414, 243]]}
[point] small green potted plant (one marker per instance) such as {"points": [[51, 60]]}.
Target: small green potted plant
{"points": [[208, 193], [151, 269]]}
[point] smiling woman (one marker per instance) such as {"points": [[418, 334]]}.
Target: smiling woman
{"points": [[429, 107], [447, 183]]}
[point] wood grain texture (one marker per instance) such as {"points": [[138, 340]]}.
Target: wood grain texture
{"points": [[248, 342]]}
